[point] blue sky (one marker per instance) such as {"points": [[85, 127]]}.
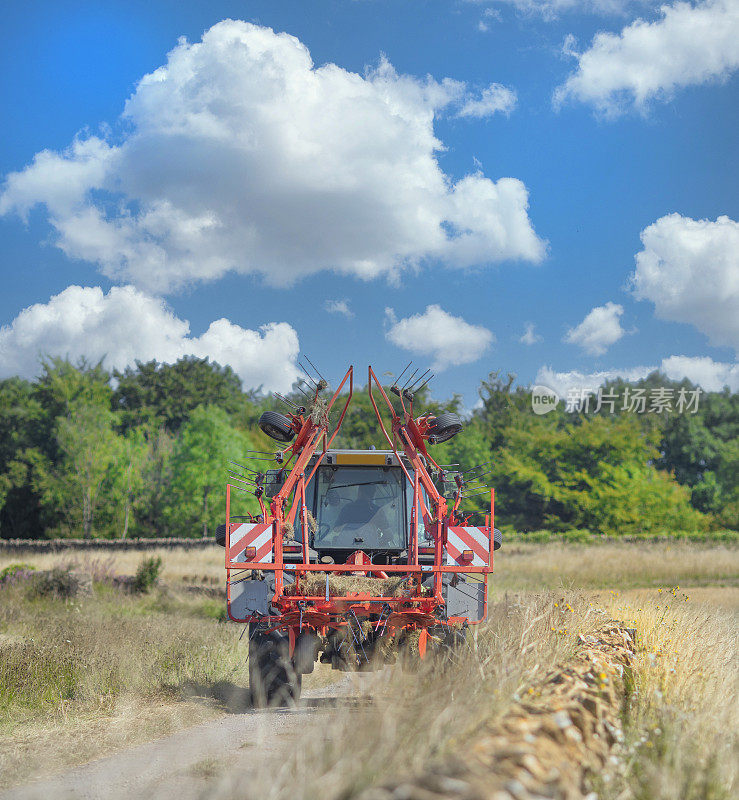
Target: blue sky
{"points": [[599, 170]]}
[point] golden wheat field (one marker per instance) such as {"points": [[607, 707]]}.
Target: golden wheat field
{"points": [[87, 676]]}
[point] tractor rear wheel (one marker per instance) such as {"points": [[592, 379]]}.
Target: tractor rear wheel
{"points": [[497, 539], [221, 535], [277, 426], [272, 677]]}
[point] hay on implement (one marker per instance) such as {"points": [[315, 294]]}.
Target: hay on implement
{"points": [[288, 532], [319, 412], [314, 585]]}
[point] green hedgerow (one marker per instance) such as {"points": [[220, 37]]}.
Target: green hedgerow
{"points": [[147, 573], [12, 570]]}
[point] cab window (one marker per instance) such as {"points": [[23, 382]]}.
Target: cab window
{"points": [[360, 508]]}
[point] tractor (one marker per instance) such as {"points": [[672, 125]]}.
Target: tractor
{"points": [[358, 558]]}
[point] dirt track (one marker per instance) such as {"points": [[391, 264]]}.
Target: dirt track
{"points": [[547, 744], [180, 765]]}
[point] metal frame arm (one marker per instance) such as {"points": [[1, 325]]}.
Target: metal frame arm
{"points": [[310, 435]]}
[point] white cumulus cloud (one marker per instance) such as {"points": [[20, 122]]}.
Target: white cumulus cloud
{"points": [[126, 325], [599, 330], [562, 382], [710, 375], [689, 269], [529, 335], [440, 336], [552, 9], [688, 45], [494, 98], [239, 154], [339, 307]]}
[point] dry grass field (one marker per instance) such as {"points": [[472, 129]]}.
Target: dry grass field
{"points": [[86, 676], [83, 677], [518, 566], [682, 721], [614, 566], [680, 726], [417, 719], [203, 566]]}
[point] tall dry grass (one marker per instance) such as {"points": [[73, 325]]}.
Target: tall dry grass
{"points": [[78, 678], [407, 720], [117, 663], [617, 566], [86, 676], [204, 566], [75, 655], [682, 718]]}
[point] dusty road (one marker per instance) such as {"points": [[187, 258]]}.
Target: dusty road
{"points": [[181, 765]]}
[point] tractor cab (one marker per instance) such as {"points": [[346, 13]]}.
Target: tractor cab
{"points": [[361, 503], [359, 500]]}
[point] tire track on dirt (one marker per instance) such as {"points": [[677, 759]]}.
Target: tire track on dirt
{"points": [[179, 765]]}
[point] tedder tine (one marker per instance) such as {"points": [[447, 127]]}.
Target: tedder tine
{"points": [[405, 385], [403, 372], [424, 383], [420, 377], [316, 369]]}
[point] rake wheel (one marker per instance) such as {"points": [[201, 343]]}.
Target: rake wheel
{"points": [[444, 427], [276, 426]]}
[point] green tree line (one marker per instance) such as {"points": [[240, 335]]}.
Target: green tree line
{"points": [[617, 470], [143, 452], [146, 452]]}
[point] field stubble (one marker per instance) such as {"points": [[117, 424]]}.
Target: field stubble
{"points": [[131, 657], [680, 717], [86, 676]]}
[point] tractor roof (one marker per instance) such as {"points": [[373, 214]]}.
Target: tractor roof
{"points": [[359, 458]]}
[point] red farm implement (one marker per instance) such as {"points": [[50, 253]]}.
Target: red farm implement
{"points": [[358, 557]]}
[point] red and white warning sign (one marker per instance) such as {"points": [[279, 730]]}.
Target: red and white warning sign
{"points": [[468, 547], [251, 542]]}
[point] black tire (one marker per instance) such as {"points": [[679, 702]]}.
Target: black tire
{"points": [[277, 426], [221, 535], [272, 677], [305, 653], [444, 427], [455, 639], [497, 539]]}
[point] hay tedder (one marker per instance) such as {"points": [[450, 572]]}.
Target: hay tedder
{"points": [[359, 557]]}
